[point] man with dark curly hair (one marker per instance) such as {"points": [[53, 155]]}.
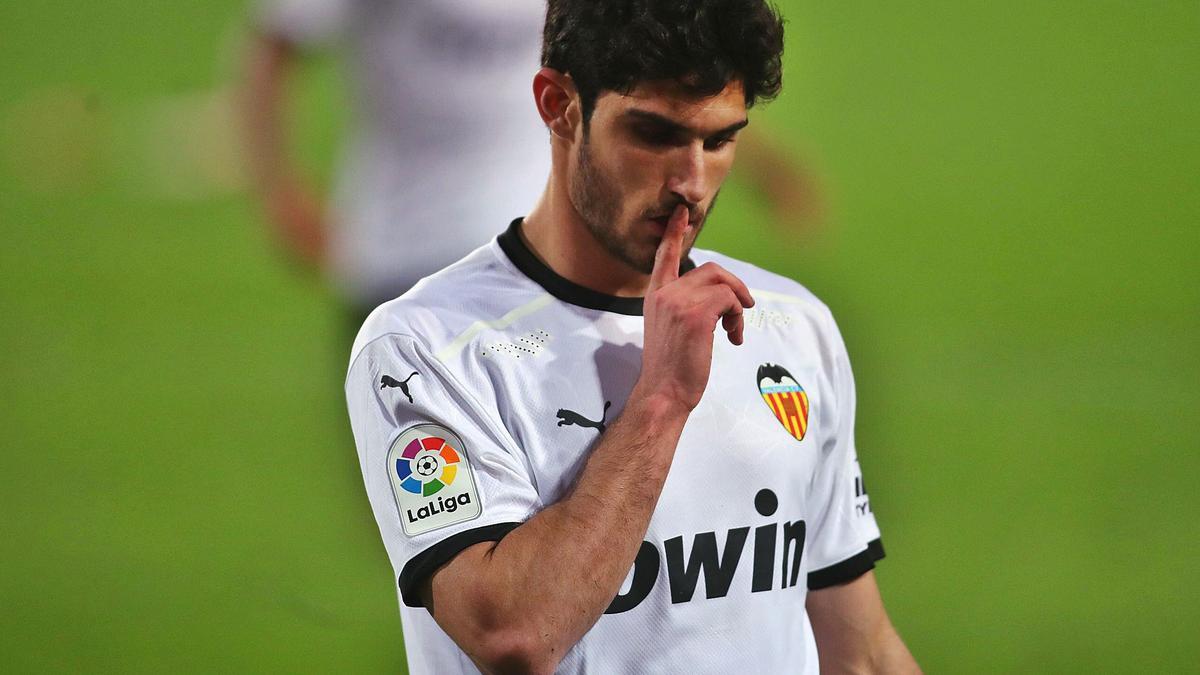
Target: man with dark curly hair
{"points": [[579, 476]]}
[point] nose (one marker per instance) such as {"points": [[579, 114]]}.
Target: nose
{"points": [[686, 178]]}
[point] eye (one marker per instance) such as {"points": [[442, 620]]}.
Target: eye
{"points": [[718, 142], [656, 136]]}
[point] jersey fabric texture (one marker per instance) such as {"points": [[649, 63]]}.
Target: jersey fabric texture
{"points": [[476, 397], [442, 106]]}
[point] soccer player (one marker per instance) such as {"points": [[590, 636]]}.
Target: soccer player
{"points": [[420, 151], [591, 447]]}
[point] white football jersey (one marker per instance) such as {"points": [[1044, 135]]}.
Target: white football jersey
{"points": [[476, 397], [444, 131]]}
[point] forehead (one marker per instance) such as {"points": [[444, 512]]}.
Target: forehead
{"points": [[668, 99]]}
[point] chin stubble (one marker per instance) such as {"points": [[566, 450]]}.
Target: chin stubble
{"points": [[595, 199]]}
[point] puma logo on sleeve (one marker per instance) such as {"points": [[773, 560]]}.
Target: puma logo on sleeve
{"points": [[389, 381]]}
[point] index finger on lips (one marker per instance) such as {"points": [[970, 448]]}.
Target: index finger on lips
{"points": [[670, 249]]}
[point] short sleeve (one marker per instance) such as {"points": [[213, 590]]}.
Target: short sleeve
{"points": [[845, 540], [305, 23], [441, 473]]}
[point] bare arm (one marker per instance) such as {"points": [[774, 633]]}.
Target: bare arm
{"points": [[853, 632], [293, 210], [518, 605], [791, 190]]}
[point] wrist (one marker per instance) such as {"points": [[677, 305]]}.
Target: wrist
{"points": [[657, 408]]}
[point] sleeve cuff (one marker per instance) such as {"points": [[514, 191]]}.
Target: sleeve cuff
{"points": [[426, 562], [847, 570]]}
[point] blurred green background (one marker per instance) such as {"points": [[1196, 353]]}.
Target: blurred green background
{"points": [[1011, 249]]}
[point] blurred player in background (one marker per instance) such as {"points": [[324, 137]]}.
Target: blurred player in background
{"points": [[425, 168], [443, 137]]}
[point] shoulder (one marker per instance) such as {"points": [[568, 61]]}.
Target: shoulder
{"points": [[480, 288], [770, 290], [785, 309]]}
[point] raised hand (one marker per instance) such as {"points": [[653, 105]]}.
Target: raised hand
{"points": [[681, 313]]}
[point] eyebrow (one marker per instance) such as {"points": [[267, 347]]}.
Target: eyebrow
{"points": [[675, 127]]}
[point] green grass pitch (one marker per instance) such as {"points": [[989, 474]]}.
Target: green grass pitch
{"points": [[1011, 252]]}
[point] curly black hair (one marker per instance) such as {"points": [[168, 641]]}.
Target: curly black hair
{"points": [[612, 45]]}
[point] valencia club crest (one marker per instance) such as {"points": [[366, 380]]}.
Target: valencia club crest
{"points": [[785, 397]]}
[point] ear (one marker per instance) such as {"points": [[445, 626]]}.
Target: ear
{"points": [[557, 102]]}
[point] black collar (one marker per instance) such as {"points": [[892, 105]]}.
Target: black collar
{"points": [[564, 289]]}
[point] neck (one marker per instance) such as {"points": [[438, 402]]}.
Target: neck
{"points": [[557, 235]]}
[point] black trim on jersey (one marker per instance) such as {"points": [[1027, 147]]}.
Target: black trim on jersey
{"points": [[428, 561], [875, 548], [849, 569], [562, 288]]}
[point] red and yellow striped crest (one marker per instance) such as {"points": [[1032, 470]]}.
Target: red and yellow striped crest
{"points": [[786, 399]]}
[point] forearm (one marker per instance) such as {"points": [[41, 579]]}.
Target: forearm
{"points": [[878, 650], [854, 633], [546, 583], [295, 213], [892, 656], [268, 62]]}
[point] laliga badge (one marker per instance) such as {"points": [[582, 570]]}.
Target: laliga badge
{"points": [[785, 397], [432, 479]]}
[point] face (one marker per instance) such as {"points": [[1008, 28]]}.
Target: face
{"points": [[646, 152]]}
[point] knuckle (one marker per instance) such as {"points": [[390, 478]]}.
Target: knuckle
{"points": [[712, 269]]}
